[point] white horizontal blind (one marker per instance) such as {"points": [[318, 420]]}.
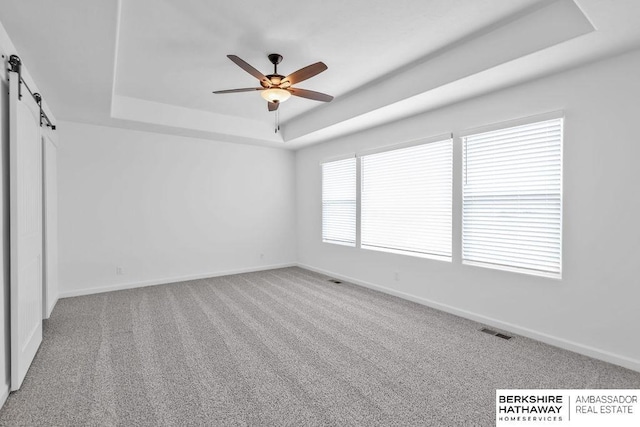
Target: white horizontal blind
{"points": [[339, 202], [512, 198], [406, 200]]}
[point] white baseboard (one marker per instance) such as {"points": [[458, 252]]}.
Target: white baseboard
{"points": [[4, 395], [51, 307], [167, 280], [616, 359]]}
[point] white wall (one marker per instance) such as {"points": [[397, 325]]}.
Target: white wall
{"points": [[165, 208], [595, 308]]}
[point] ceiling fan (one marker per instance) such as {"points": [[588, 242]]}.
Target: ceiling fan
{"points": [[277, 88]]}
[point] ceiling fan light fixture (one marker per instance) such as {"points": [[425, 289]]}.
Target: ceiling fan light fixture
{"points": [[276, 95]]}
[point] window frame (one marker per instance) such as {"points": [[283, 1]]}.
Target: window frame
{"points": [[457, 205], [411, 144], [530, 120], [322, 202]]}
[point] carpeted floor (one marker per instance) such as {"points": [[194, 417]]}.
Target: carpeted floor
{"points": [[279, 348]]}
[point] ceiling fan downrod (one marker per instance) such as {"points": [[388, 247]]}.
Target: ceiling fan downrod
{"points": [[275, 59]]}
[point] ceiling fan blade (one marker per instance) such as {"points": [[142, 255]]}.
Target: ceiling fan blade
{"points": [[310, 94], [273, 106], [305, 73], [246, 89], [249, 69]]}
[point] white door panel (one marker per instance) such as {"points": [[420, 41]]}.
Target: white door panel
{"points": [[25, 187], [50, 183]]}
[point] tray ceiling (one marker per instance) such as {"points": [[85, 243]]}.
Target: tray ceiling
{"points": [[152, 65]]}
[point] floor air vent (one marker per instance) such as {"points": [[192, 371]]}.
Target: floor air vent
{"points": [[335, 281], [503, 336], [496, 334]]}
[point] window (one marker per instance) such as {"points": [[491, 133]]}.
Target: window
{"points": [[512, 198], [339, 202], [406, 200]]}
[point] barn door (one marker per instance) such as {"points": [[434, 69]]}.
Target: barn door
{"points": [[25, 188]]}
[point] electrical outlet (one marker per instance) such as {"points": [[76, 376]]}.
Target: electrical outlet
{"points": [[396, 276], [119, 271], [261, 256]]}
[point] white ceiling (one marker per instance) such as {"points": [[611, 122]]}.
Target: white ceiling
{"points": [[175, 52], [152, 64]]}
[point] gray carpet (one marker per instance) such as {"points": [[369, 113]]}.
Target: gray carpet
{"points": [[284, 348]]}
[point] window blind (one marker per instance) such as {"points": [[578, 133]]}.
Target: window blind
{"points": [[512, 198], [339, 202], [406, 200]]}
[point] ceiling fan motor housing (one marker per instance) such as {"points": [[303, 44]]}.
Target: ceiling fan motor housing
{"points": [[275, 79]]}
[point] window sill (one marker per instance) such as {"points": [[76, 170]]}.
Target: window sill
{"points": [[408, 253], [548, 275]]}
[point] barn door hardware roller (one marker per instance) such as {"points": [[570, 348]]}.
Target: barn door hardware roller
{"points": [[15, 65]]}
